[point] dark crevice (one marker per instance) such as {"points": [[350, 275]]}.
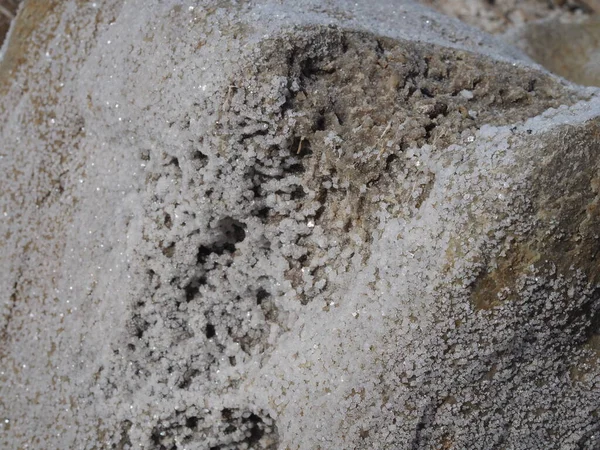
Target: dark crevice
{"points": [[301, 147], [236, 429], [168, 222], [421, 439], [261, 295], [169, 250], [203, 254], [256, 428], [389, 160], [193, 288], [12, 304], [426, 92], [233, 231], [379, 49], [298, 193], [296, 169], [187, 379], [263, 213], [246, 136], [192, 423], [320, 123], [199, 156], [210, 331], [138, 326], [125, 441]]}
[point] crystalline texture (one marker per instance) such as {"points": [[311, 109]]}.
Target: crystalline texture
{"points": [[269, 225]]}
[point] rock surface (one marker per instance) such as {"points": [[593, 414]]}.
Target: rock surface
{"points": [[561, 35], [569, 49], [293, 225], [498, 16]]}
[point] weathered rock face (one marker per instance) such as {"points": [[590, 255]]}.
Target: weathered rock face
{"points": [[563, 36], [263, 225], [500, 16], [571, 50]]}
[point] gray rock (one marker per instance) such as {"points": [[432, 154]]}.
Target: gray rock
{"points": [[497, 17], [569, 49], [285, 225]]}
